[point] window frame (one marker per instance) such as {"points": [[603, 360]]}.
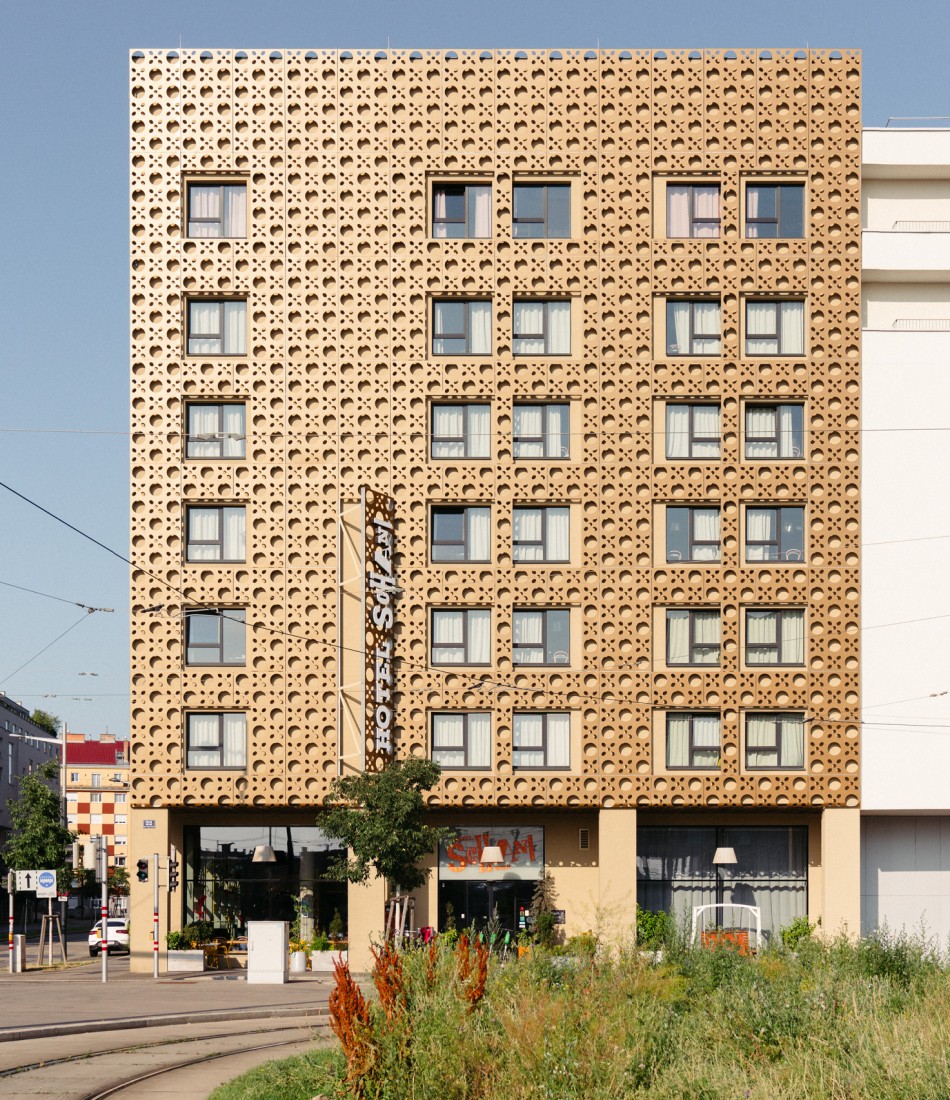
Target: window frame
{"points": [[776, 439], [691, 186], [692, 644], [466, 333], [223, 186], [693, 749], [467, 408], [466, 510], [776, 746], [466, 739], [466, 645], [221, 334], [547, 411], [222, 616], [749, 222], [777, 646], [190, 510], [693, 438], [670, 328], [782, 552], [542, 747], [549, 655], [691, 541], [220, 715], [545, 334], [217, 437], [545, 186], [776, 333], [467, 220], [546, 510]]}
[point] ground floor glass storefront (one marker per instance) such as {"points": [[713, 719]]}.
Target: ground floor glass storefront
{"points": [[675, 871], [222, 883]]}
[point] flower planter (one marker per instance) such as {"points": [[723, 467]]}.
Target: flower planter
{"points": [[185, 962], [321, 962]]}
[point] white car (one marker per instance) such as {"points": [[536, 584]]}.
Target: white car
{"points": [[118, 936]]}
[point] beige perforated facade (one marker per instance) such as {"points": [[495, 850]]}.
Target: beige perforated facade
{"points": [[329, 311]]}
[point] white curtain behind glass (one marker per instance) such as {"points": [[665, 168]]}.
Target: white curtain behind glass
{"points": [[203, 749], [677, 431], [793, 637], [448, 636], [558, 547], [203, 527], [478, 533], [677, 741], [479, 431], [235, 328], [480, 198], [479, 319], [559, 328], [203, 318], [761, 327], [234, 442], [479, 740], [677, 211], [528, 430], [793, 742], [789, 446], [448, 739], [706, 530], [706, 207], [706, 632], [559, 740], [677, 637], [204, 442], [706, 327], [234, 542], [793, 328], [479, 636], [760, 422], [760, 631], [527, 731], [529, 320], [677, 338], [528, 528], [558, 438], [235, 223], [760, 527], [527, 635], [759, 736], [235, 750], [706, 431]]}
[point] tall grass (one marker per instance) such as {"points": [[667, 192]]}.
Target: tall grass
{"points": [[843, 1021]]}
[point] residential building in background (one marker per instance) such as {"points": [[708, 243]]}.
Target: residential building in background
{"points": [[22, 751], [906, 582], [503, 408], [97, 791]]}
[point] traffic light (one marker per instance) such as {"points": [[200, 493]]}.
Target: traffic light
{"points": [[141, 870], [173, 874]]}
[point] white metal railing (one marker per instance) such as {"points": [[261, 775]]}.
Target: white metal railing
{"points": [[922, 227], [753, 913], [923, 324]]}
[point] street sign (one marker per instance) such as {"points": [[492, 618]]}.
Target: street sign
{"points": [[148, 823], [26, 881], [46, 884]]}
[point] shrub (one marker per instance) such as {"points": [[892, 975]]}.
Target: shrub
{"points": [[653, 929], [793, 934]]}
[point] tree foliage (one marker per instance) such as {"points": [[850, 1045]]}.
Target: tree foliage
{"points": [[46, 721], [380, 816], [38, 839]]}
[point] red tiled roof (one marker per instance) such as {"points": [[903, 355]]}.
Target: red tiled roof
{"points": [[95, 752]]}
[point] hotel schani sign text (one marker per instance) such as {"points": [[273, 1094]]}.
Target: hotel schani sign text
{"points": [[379, 604], [522, 850]]}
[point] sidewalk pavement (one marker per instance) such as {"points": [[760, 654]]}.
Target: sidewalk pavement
{"points": [[71, 1000]]}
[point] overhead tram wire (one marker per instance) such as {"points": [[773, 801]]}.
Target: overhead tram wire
{"points": [[81, 619], [72, 603]]}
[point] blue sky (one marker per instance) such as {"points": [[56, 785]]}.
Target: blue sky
{"points": [[63, 261]]}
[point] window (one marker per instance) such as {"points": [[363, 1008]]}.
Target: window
{"points": [[541, 636], [119, 861], [461, 210], [692, 534], [774, 431], [215, 637], [542, 739], [774, 741], [216, 740], [461, 431], [461, 636], [693, 327], [692, 637], [74, 777], [121, 819], [121, 797], [692, 210], [541, 534], [775, 210], [95, 821], [72, 820], [542, 210], [121, 840], [460, 533], [541, 430], [217, 328], [774, 328], [692, 740], [215, 431], [95, 796], [215, 534], [775, 534], [461, 327], [693, 431], [96, 780], [217, 210], [541, 328], [461, 740], [775, 637]]}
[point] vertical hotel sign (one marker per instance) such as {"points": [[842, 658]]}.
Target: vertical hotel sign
{"points": [[379, 621]]}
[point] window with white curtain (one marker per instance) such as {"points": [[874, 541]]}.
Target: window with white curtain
{"points": [[541, 429], [775, 636], [692, 209], [541, 210], [461, 430], [461, 210], [460, 533], [215, 533], [775, 210], [692, 533], [774, 328], [217, 327], [692, 636], [693, 739], [774, 431], [462, 739], [216, 739], [217, 210], [693, 431], [774, 741], [541, 533], [541, 636], [693, 326], [460, 636], [216, 431], [461, 327], [775, 533], [541, 328], [541, 739], [215, 637]]}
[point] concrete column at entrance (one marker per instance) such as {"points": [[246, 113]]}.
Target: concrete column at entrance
{"points": [[367, 913], [841, 872], [617, 855]]}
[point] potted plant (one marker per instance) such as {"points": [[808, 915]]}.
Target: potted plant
{"points": [[186, 953], [323, 952]]}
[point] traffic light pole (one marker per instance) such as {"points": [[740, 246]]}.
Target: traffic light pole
{"points": [[155, 917], [103, 866]]}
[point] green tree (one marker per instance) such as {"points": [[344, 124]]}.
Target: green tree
{"points": [[39, 838], [46, 721], [381, 816], [119, 881]]}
